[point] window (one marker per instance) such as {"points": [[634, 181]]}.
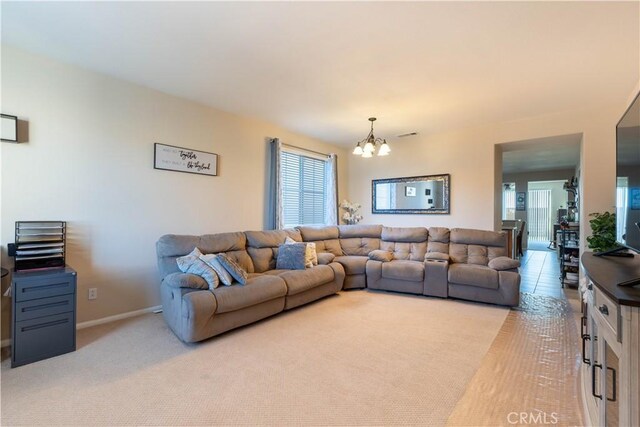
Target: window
{"points": [[303, 189], [509, 201]]}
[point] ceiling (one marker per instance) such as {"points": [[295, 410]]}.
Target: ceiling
{"points": [[323, 68], [541, 154]]}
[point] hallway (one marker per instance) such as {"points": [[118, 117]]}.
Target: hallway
{"points": [[540, 271]]}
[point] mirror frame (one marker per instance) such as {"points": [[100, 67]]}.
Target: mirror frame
{"points": [[445, 211]]}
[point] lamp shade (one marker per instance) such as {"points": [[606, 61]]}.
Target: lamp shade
{"points": [[366, 154], [369, 147], [384, 149], [358, 150]]}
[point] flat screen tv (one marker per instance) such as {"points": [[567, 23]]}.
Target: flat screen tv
{"points": [[628, 178]]}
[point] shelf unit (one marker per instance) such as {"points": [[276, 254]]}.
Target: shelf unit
{"points": [[39, 244], [569, 253]]}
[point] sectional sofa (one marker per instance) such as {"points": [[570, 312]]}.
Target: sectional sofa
{"points": [[458, 263]]}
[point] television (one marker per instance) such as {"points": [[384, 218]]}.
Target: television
{"points": [[628, 178]]}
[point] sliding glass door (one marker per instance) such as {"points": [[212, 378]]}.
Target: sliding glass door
{"points": [[539, 216]]}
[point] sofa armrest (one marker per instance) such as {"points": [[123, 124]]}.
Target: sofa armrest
{"points": [[185, 280], [504, 263], [380, 255], [436, 278], [437, 256], [325, 258]]}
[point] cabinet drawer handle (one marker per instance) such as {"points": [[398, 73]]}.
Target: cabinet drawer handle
{"points": [[585, 338], [43, 287], [593, 380], [43, 306], [44, 325], [583, 326], [614, 381], [604, 309]]}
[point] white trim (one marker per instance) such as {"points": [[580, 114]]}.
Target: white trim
{"points": [[108, 319]]}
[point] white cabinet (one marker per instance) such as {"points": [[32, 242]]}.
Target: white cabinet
{"points": [[610, 374]]}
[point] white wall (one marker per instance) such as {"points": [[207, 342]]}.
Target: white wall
{"points": [[89, 161], [471, 157]]}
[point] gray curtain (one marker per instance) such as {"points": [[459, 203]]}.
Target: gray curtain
{"points": [[331, 184], [275, 220]]}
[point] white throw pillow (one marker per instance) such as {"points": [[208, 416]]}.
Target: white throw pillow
{"points": [[211, 261], [310, 254], [192, 264]]}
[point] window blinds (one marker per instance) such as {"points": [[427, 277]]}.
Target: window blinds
{"points": [[303, 189]]}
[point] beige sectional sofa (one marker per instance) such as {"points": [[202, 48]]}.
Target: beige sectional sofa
{"points": [[458, 263]]}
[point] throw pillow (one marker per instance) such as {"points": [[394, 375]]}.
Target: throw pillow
{"points": [[380, 255], [310, 254], [291, 256], [212, 261], [192, 264], [233, 268], [325, 258], [504, 263]]}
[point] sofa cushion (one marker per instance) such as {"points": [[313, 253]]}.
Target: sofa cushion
{"points": [[474, 275], [258, 289], [271, 238], [233, 268], [359, 245], [438, 240], [504, 263], [405, 250], [353, 264], [291, 256], [380, 255], [331, 246], [302, 280], [360, 230], [404, 234], [325, 258], [311, 234], [412, 271], [310, 254]]}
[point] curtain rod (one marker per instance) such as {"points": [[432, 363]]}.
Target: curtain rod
{"points": [[305, 149]]}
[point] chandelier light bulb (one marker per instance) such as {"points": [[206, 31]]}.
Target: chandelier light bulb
{"points": [[384, 149], [358, 150], [366, 154]]}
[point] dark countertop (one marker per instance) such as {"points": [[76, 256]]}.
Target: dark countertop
{"points": [[606, 272]]}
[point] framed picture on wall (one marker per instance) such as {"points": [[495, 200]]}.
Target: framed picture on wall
{"points": [[521, 201], [410, 191]]}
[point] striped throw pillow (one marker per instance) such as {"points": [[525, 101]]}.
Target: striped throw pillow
{"points": [[192, 264]]}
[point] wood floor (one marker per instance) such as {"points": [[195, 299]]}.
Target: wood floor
{"points": [[530, 374]]}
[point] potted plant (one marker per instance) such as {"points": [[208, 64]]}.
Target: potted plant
{"points": [[350, 215], [603, 231]]}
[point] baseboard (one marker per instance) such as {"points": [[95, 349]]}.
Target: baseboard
{"points": [[109, 319], [102, 321]]}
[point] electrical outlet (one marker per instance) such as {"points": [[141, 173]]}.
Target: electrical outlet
{"points": [[93, 293]]}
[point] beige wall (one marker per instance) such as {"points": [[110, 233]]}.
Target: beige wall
{"points": [[472, 158], [89, 161]]}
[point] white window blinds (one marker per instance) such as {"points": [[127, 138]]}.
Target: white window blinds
{"points": [[303, 189]]}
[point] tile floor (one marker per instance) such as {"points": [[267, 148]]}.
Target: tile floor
{"points": [[540, 271]]}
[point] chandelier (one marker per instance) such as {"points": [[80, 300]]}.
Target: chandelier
{"points": [[368, 146]]}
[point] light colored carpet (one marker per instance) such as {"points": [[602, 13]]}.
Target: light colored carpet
{"points": [[358, 358]]}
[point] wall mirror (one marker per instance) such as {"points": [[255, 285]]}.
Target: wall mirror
{"points": [[427, 194]]}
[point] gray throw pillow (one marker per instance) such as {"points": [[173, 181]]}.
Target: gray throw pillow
{"points": [[212, 261], [291, 256], [380, 255], [233, 268], [192, 264], [504, 263]]}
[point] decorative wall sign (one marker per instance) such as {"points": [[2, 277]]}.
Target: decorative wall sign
{"points": [[178, 159], [521, 201], [9, 128]]}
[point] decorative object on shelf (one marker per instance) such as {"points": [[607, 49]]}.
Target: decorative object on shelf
{"points": [[521, 201], [9, 128], [39, 244], [430, 195], [350, 216], [603, 232], [178, 159], [367, 147]]}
